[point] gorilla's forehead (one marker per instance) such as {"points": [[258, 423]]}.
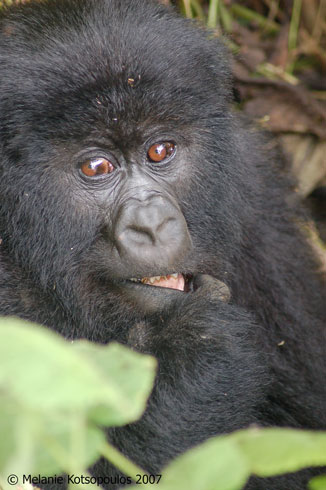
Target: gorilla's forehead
{"points": [[123, 109], [98, 61]]}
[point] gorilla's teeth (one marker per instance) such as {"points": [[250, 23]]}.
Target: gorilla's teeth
{"points": [[170, 281], [151, 280]]}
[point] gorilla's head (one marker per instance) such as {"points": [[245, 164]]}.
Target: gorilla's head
{"points": [[118, 153]]}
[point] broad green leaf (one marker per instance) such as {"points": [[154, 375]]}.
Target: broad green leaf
{"points": [[318, 483], [226, 462], [51, 391], [41, 371], [217, 464], [276, 451]]}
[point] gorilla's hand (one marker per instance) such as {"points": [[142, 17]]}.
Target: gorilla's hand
{"points": [[192, 322]]}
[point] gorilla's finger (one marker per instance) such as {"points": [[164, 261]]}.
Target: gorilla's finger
{"points": [[214, 288]]}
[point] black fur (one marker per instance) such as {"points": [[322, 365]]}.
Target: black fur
{"points": [[116, 74]]}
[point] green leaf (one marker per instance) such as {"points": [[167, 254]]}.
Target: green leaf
{"points": [[42, 371], [276, 451], [52, 391], [226, 462], [318, 483], [214, 465]]}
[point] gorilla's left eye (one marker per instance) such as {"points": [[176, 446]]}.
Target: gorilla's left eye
{"points": [[160, 151], [96, 166]]}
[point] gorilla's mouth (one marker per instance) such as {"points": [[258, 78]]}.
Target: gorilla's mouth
{"points": [[171, 281], [169, 287]]}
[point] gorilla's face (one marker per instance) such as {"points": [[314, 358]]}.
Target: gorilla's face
{"points": [[124, 152], [132, 183], [111, 203]]}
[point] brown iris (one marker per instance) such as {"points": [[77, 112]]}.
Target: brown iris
{"points": [[160, 151], [97, 166]]}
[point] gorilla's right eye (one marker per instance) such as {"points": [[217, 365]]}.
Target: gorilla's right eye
{"points": [[96, 166], [160, 151]]}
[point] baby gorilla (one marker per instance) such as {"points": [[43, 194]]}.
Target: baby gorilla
{"points": [[134, 204]]}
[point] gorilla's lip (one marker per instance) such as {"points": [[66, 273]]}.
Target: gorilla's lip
{"points": [[148, 299]]}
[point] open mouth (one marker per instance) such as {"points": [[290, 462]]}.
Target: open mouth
{"points": [[181, 282]]}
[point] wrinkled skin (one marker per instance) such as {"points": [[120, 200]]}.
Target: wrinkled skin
{"points": [[239, 328]]}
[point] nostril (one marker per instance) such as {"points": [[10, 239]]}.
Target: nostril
{"points": [[166, 223]]}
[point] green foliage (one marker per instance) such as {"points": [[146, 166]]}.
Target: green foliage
{"points": [[55, 396], [276, 451], [217, 464], [226, 462], [318, 483], [74, 378]]}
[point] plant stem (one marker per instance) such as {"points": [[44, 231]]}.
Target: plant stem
{"points": [[120, 461], [294, 25], [212, 17]]}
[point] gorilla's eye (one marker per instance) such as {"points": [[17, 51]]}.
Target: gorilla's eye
{"points": [[97, 166], [160, 151]]}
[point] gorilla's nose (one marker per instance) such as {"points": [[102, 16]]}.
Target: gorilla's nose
{"points": [[152, 232]]}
